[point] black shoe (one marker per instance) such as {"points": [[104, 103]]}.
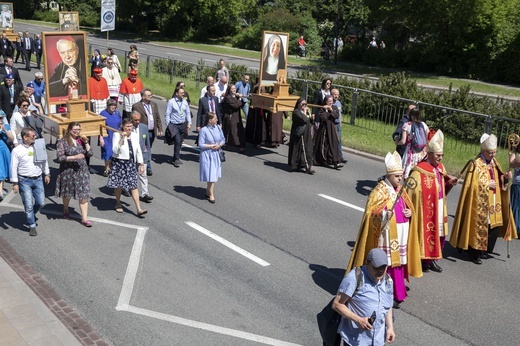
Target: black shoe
{"points": [[125, 193], [149, 172], [343, 161], [146, 198], [33, 232], [425, 268], [176, 163], [476, 260], [397, 304], [311, 171], [486, 255], [435, 267]]}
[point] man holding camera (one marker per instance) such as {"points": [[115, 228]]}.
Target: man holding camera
{"points": [[364, 300]]}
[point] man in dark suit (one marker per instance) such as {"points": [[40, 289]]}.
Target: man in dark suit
{"points": [[38, 50], [8, 68], [27, 48], [208, 104], [9, 93], [144, 140], [151, 118], [6, 48], [19, 42]]}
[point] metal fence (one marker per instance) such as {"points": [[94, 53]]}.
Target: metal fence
{"points": [[377, 112]]}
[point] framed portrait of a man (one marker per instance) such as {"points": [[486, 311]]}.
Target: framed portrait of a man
{"points": [[6, 15], [69, 21], [274, 56], [66, 67]]}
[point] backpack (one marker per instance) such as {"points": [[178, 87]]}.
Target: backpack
{"points": [[418, 135], [329, 319]]}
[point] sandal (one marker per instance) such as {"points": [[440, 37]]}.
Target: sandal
{"points": [[106, 173], [142, 212], [66, 216], [86, 223], [119, 209]]}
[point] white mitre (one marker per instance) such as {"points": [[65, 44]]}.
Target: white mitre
{"points": [[393, 163], [488, 142], [436, 143]]}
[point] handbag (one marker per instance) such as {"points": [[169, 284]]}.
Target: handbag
{"points": [[221, 153]]}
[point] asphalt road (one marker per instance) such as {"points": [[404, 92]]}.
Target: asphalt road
{"points": [[174, 277]]}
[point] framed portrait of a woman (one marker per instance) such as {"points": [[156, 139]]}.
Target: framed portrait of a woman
{"points": [[66, 67], [274, 56]]}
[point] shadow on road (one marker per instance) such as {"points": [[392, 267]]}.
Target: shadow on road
{"points": [[327, 278]]}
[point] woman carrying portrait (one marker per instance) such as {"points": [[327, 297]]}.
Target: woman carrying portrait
{"points": [[232, 119], [274, 58], [73, 180], [211, 140], [300, 144], [326, 143], [126, 152]]}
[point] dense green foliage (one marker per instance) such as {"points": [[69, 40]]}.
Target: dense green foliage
{"points": [[477, 39]]}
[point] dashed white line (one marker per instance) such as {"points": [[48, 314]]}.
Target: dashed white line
{"points": [[230, 245], [342, 202]]}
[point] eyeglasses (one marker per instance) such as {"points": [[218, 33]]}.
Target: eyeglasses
{"points": [[303, 104], [39, 78], [76, 130], [25, 105]]}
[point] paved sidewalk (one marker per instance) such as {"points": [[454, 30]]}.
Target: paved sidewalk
{"points": [[31, 312]]}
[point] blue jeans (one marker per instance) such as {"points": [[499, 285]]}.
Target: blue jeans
{"points": [[338, 127], [245, 108], [32, 193]]}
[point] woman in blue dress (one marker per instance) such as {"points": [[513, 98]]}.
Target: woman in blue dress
{"points": [[113, 120], [5, 155], [211, 140]]}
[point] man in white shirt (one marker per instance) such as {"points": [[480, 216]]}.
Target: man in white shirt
{"points": [[178, 121], [209, 81], [26, 176], [220, 88]]}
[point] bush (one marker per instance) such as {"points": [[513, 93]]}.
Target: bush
{"points": [[47, 16], [177, 68]]}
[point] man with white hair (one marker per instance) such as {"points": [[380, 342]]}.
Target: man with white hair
{"points": [[483, 213], [39, 88], [209, 81]]}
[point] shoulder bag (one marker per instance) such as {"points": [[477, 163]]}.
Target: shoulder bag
{"points": [[221, 153]]}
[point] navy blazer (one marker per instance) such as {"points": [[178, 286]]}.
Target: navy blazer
{"points": [[204, 109]]}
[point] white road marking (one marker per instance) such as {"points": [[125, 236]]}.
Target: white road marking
{"points": [[131, 270], [59, 213], [173, 54], [228, 244], [8, 197], [209, 327], [342, 202]]}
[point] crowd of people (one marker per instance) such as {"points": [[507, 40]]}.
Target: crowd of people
{"points": [[405, 225]]}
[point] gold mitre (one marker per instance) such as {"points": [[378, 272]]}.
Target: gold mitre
{"points": [[436, 143], [393, 163], [488, 142]]}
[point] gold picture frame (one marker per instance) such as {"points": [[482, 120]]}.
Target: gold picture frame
{"points": [[274, 56]]}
